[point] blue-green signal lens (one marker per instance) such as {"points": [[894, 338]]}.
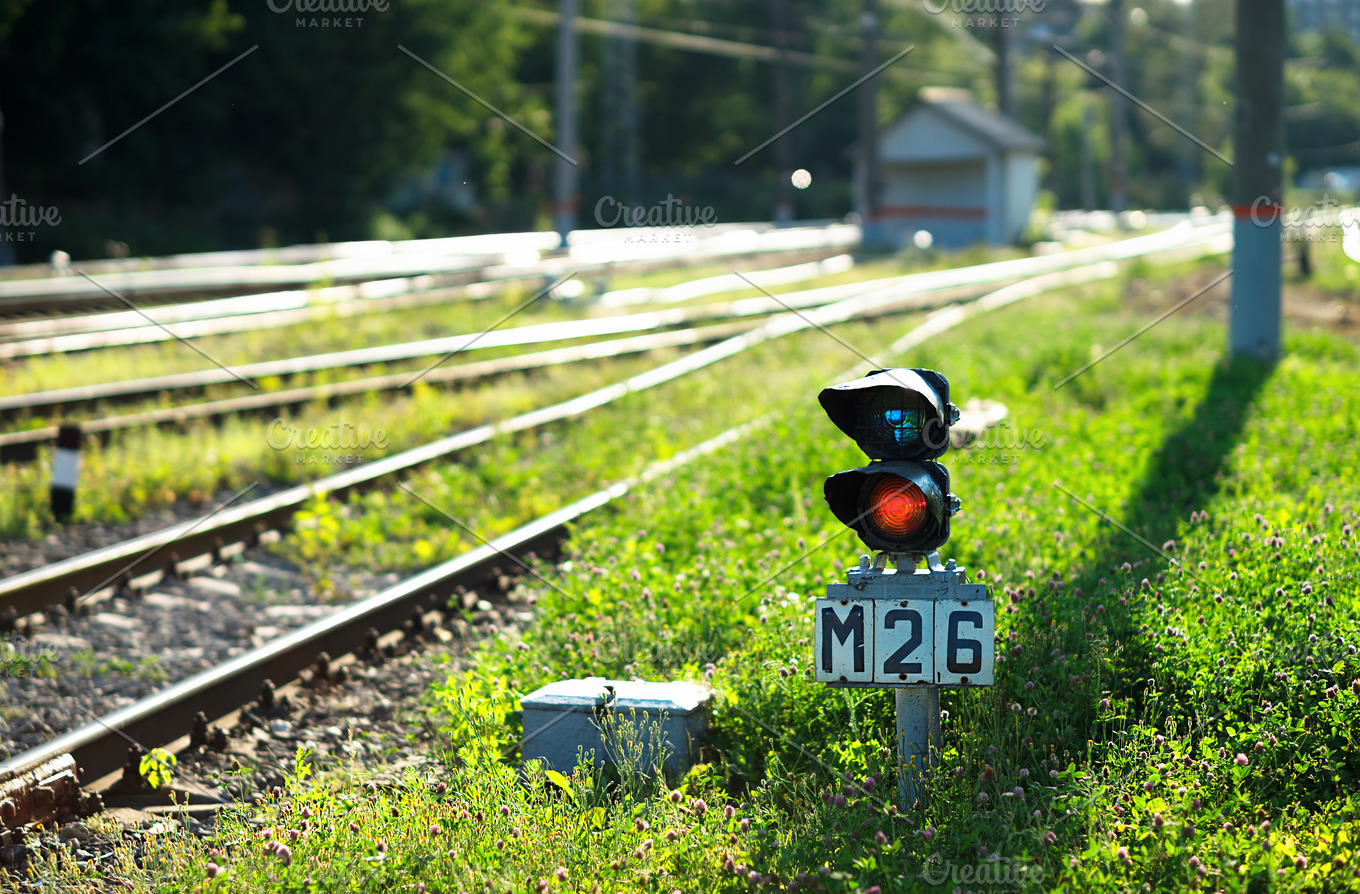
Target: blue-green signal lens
{"points": [[902, 426], [893, 419]]}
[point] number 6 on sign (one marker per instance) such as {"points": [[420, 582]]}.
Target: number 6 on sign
{"points": [[964, 643]]}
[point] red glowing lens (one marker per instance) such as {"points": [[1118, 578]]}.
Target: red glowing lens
{"points": [[896, 506]]}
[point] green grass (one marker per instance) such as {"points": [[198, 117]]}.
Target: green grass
{"points": [[1132, 679], [146, 468]]}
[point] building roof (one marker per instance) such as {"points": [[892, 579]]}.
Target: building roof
{"points": [[959, 106]]}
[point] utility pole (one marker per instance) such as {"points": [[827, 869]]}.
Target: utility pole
{"points": [[617, 162], [783, 147], [1118, 168], [868, 125], [1258, 179], [564, 206], [1000, 45], [628, 105]]}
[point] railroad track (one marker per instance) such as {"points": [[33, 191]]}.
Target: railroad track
{"points": [[87, 577], [35, 337], [42, 781], [23, 446], [70, 333], [67, 399], [594, 250], [486, 244], [47, 780]]}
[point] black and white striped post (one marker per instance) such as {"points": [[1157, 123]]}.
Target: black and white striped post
{"points": [[65, 472]]}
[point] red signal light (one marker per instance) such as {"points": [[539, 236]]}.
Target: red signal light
{"points": [[896, 506]]}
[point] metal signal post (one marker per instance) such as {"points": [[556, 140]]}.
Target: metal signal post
{"points": [[913, 629]]}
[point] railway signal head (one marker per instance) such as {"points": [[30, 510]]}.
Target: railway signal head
{"points": [[900, 502]]}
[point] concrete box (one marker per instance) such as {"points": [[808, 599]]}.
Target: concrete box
{"points": [[598, 715]]}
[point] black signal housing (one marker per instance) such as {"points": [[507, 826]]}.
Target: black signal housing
{"points": [[900, 502]]}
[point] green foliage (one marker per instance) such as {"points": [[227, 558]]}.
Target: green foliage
{"points": [[301, 140], [155, 767]]}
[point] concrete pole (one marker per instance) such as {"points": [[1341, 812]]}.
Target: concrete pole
{"points": [[1258, 178], [564, 206], [6, 250], [918, 738]]}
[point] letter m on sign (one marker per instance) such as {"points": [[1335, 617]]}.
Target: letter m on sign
{"points": [[844, 632]]}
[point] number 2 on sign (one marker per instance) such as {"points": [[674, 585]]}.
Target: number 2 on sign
{"points": [[902, 647]]}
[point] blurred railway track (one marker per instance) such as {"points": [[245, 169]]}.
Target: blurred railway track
{"points": [[73, 333], [419, 266], [486, 244], [22, 446], [931, 288]]}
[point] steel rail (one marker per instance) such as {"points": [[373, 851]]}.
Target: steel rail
{"points": [[922, 282], [22, 446], [162, 718], [31, 338], [619, 246]]}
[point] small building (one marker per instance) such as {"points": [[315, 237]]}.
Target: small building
{"points": [[961, 171]]}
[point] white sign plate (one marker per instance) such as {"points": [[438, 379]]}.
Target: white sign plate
{"points": [[901, 642]]}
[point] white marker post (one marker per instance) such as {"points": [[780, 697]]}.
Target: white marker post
{"points": [[65, 472], [915, 630]]}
